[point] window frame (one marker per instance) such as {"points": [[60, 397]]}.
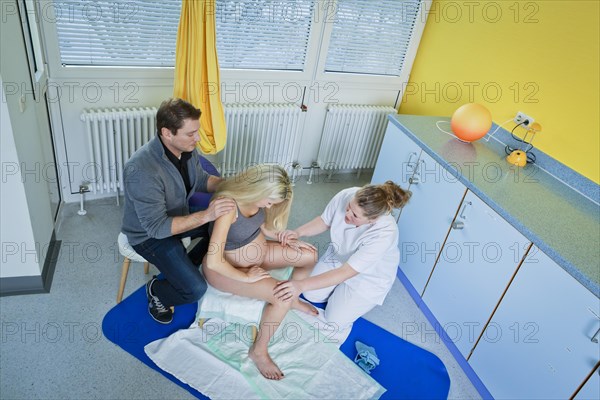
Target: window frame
{"points": [[314, 69]]}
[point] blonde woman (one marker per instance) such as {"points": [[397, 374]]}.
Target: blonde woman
{"points": [[240, 254]]}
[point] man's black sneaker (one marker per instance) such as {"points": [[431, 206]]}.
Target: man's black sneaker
{"points": [[157, 310]]}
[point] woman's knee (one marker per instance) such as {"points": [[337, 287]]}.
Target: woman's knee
{"points": [[307, 258]]}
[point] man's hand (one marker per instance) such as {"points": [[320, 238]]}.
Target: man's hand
{"points": [[219, 206]]}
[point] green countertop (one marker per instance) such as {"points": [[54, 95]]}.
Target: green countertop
{"points": [[561, 221]]}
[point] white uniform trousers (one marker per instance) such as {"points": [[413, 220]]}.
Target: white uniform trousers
{"points": [[344, 305]]}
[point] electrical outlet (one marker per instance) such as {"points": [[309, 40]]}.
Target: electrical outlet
{"points": [[523, 119]]}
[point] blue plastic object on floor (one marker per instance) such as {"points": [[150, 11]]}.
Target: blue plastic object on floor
{"points": [[366, 357], [405, 370]]}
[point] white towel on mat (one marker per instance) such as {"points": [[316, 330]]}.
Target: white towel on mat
{"points": [[214, 361]]}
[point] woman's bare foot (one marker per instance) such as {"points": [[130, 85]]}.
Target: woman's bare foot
{"points": [[305, 307], [265, 365]]}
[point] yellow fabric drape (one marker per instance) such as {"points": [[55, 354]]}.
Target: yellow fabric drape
{"points": [[197, 71]]}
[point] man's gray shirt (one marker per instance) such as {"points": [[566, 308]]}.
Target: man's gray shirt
{"points": [[155, 192]]}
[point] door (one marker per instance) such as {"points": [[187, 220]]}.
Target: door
{"points": [[475, 266], [397, 160], [540, 342], [426, 219], [29, 15]]}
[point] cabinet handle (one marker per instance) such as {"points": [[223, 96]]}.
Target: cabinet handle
{"points": [[414, 153], [462, 213], [458, 225], [416, 178], [595, 337]]}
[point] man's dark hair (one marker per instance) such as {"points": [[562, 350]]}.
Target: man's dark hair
{"points": [[173, 112]]}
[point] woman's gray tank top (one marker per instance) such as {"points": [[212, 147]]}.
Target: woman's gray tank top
{"points": [[244, 230]]}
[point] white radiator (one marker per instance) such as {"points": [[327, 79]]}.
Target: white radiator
{"points": [[113, 135], [256, 133], [352, 136]]}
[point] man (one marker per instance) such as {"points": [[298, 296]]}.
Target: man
{"points": [[159, 180]]}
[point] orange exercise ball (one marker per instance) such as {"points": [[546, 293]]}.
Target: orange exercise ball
{"points": [[471, 122]]}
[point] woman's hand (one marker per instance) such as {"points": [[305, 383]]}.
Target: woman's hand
{"points": [[287, 290], [286, 236], [300, 244], [255, 274]]}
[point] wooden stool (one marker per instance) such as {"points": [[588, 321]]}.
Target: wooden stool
{"points": [[131, 255]]}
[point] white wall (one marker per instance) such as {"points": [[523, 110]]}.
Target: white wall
{"points": [[31, 214], [16, 232], [73, 89]]}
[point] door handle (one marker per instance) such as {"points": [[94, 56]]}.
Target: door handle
{"points": [[414, 153], [462, 213], [456, 224], [595, 337]]}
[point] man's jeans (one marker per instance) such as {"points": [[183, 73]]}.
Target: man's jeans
{"points": [[183, 281]]}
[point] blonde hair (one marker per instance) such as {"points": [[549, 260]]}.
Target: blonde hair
{"points": [[376, 200], [259, 182]]}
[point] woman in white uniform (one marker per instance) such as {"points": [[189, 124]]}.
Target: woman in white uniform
{"points": [[359, 267]]}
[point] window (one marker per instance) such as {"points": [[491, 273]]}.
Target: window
{"points": [[117, 33], [371, 37], [251, 34], [255, 34], [361, 36]]}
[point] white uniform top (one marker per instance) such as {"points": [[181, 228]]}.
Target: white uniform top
{"points": [[370, 249]]}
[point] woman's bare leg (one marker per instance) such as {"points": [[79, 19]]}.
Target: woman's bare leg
{"points": [[302, 260], [273, 314]]}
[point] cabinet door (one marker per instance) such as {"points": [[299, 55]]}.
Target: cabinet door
{"points": [[475, 266], [591, 389], [426, 219], [397, 158], [538, 343]]}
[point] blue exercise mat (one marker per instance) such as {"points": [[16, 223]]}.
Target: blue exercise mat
{"points": [[405, 370]]}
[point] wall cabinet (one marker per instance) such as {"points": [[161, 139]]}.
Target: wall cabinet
{"points": [[591, 389], [402, 161], [524, 324], [539, 341], [426, 219], [397, 158], [478, 260]]}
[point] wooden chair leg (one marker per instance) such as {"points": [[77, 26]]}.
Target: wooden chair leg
{"points": [[124, 273], [201, 322], [146, 267], [253, 333]]}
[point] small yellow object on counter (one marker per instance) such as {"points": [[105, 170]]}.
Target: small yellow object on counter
{"points": [[518, 158]]}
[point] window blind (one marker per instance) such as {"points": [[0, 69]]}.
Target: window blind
{"points": [[251, 34], [117, 33], [371, 37], [255, 34]]}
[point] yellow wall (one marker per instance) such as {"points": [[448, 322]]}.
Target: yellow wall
{"points": [[538, 57]]}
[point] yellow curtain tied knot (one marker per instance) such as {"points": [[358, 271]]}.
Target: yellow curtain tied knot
{"points": [[197, 71]]}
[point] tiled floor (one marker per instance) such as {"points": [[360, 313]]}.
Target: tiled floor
{"points": [[52, 347]]}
